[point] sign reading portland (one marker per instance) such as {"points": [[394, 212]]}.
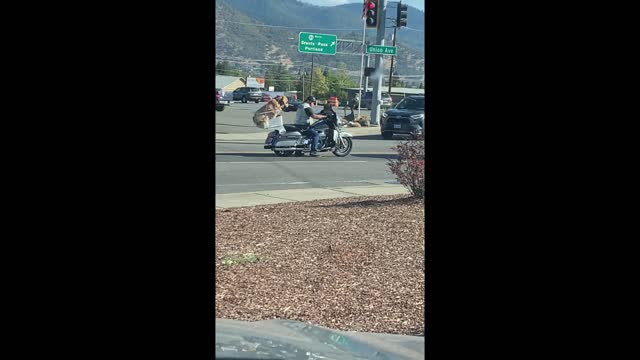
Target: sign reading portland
{"points": [[317, 43]]}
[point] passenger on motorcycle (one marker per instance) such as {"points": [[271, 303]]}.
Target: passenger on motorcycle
{"points": [[333, 119], [304, 118]]}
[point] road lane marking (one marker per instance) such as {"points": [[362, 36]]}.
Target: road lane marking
{"points": [[375, 182], [290, 162], [266, 152], [280, 183]]}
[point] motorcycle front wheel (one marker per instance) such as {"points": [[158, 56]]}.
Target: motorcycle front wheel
{"points": [[343, 147]]}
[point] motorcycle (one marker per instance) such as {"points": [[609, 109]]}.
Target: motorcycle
{"points": [[288, 140]]}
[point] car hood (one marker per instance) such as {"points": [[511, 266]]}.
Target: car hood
{"points": [[287, 339], [404, 112]]}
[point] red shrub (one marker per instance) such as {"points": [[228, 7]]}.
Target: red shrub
{"points": [[409, 168]]}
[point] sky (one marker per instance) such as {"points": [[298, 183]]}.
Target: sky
{"points": [[418, 4]]}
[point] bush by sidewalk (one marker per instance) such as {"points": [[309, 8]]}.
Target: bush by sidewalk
{"points": [[409, 168]]}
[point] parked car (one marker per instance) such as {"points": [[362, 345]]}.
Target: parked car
{"points": [[293, 105], [245, 94], [406, 118], [367, 99], [266, 97], [220, 103]]}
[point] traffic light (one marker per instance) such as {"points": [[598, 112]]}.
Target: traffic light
{"points": [[401, 16], [371, 13], [368, 71]]}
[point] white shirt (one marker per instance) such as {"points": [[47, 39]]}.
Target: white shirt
{"points": [[301, 115]]}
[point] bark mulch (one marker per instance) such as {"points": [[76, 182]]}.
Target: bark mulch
{"points": [[354, 264]]}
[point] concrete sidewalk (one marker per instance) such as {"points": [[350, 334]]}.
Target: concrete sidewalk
{"points": [[361, 131], [287, 196]]}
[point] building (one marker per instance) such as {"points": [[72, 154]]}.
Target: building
{"points": [[229, 83]]}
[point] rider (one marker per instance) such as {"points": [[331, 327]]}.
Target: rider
{"points": [[332, 117], [304, 118]]}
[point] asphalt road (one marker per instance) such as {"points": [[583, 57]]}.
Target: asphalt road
{"points": [[237, 118], [243, 166]]}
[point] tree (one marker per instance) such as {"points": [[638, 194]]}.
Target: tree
{"points": [[340, 80], [320, 84], [224, 68]]}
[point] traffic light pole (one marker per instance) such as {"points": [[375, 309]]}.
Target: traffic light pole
{"points": [[364, 32], [395, 28], [377, 86]]}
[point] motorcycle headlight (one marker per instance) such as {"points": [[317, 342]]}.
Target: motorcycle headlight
{"points": [[417, 117]]}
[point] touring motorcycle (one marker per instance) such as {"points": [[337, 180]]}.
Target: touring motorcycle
{"points": [[287, 139]]}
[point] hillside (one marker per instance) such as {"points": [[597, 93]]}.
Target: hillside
{"points": [[347, 16], [249, 46]]}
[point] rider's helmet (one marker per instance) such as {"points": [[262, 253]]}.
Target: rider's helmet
{"points": [[311, 99]]}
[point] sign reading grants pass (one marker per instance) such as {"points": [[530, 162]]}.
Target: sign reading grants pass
{"points": [[317, 43]]}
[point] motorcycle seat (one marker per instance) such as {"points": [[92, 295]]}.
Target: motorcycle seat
{"points": [[294, 127]]}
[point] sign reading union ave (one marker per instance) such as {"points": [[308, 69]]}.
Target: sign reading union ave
{"points": [[382, 50], [317, 43]]}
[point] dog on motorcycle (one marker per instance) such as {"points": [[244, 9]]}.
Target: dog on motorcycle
{"points": [[270, 110]]}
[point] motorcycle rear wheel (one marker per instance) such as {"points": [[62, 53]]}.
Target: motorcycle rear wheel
{"points": [[283, 153]]}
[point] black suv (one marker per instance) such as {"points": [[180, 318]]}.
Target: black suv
{"points": [[406, 118], [247, 93]]}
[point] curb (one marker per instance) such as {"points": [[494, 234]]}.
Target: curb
{"points": [[248, 199]]}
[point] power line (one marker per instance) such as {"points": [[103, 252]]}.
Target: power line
{"points": [[303, 28], [286, 27], [233, 71], [231, 58]]}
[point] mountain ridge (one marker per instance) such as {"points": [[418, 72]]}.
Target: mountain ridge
{"points": [[254, 32]]}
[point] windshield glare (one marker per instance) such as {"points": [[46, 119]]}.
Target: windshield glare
{"points": [[411, 104]]}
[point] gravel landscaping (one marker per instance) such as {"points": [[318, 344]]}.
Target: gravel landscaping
{"points": [[353, 264]]}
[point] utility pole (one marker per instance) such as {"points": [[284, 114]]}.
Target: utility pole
{"points": [[301, 73], [395, 28], [377, 86], [366, 78], [311, 86]]}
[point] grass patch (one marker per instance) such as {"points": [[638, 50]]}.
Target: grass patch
{"points": [[240, 259]]}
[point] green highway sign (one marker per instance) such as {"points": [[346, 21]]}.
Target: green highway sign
{"points": [[382, 50], [317, 43]]}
